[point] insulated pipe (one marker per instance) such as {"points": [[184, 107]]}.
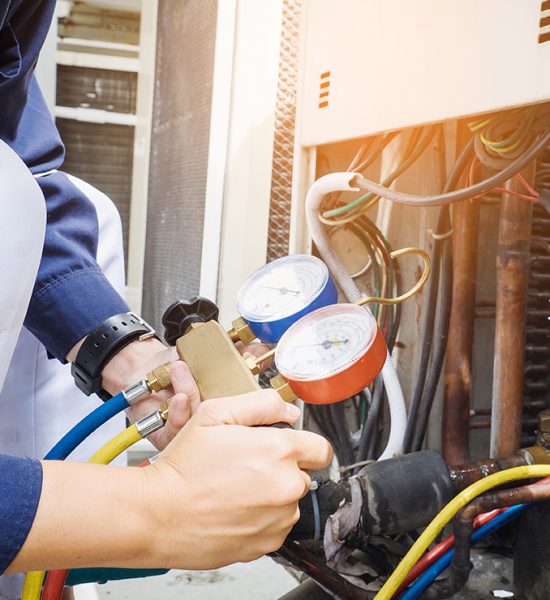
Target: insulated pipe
{"points": [[511, 306], [336, 182], [458, 363]]}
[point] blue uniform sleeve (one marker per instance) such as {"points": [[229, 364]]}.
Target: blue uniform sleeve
{"points": [[20, 488], [71, 296]]}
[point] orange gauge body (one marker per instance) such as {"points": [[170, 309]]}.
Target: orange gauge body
{"points": [[331, 354]]}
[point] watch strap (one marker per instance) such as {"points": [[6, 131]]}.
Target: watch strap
{"points": [[101, 345]]}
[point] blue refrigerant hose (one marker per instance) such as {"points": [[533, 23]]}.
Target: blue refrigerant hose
{"points": [[416, 589], [86, 427]]}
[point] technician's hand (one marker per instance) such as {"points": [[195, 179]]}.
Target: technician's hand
{"points": [[224, 490], [137, 359]]}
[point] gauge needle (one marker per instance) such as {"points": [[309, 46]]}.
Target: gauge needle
{"points": [[283, 290], [326, 344]]}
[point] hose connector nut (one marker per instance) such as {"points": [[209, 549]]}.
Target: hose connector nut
{"points": [[159, 378], [150, 424], [136, 391]]}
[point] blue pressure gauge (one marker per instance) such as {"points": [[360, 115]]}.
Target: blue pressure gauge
{"points": [[279, 293]]}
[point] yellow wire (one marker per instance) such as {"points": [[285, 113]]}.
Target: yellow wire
{"points": [[416, 288], [121, 442], [447, 513]]}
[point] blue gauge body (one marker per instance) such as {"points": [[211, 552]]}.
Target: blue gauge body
{"points": [[271, 332]]}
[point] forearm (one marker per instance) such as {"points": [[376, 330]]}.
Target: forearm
{"points": [[88, 515]]}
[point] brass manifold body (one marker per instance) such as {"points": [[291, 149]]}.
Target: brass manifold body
{"points": [[218, 367]]}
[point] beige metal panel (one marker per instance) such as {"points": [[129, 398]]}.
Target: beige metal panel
{"points": [[395, 63]]}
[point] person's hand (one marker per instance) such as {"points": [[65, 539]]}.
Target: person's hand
{"points": [[137, 359], [226, 490]]}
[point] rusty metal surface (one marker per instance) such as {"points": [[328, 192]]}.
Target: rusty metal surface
{"points": [[513, 254], [458, 363], [465, 474]]}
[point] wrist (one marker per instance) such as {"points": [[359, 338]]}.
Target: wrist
{"points": [[120, 371], [162, 482], [100, 346]]}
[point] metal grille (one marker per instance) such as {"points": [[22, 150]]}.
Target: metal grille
{"points": [[96, 88], [103, 156], [537, 343], [283, 148], [179, 152]]}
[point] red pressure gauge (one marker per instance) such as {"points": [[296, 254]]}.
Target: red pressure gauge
{"points": [[331, 353]]}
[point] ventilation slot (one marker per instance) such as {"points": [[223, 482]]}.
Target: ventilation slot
{"points": [[544, 23], [324, 89]]}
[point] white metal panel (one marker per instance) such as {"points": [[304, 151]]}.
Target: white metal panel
{"points": [[217, 147], [396, 63], [250, 148], [142, 148]]}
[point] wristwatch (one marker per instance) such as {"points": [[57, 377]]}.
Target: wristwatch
{"points": [[101, 345]]}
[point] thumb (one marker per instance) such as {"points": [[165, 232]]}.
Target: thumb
{"points": [[183, 383], [263, 407]]}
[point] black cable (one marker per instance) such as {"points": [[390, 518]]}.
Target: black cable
{"points": [[440, 346], [463, 194], [372, 418], [336, 412], [422, 400]]}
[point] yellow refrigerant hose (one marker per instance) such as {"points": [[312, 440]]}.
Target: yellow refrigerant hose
{"points": [[113, 448], [447, 513]]}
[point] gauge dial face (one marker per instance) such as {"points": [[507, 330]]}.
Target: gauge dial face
{"points": [[325, 342], [282, 288]]}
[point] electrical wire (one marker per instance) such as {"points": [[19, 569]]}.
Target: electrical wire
{"points": [[418, 143], [433, 571], [437, 305], [449, 197], [447, 513]]}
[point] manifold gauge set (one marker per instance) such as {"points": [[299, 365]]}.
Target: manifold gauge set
{"points": [[326, 351]]}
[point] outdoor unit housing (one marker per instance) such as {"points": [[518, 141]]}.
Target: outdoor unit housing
{"points": [[378, 65]]}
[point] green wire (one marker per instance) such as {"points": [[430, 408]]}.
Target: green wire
{"points": [[335, 212]]}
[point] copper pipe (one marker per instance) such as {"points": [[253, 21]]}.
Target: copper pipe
{"points": [[464, 475], [513, 260], [458, 363]]}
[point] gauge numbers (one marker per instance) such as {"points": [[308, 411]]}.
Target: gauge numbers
{"points": [[282, 288], [325, 342]]}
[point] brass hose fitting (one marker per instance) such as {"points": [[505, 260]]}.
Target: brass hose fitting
{"points": [[159, 378]]}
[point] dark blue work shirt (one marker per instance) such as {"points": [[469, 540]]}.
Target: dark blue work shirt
{"points": [[71, 295]]}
